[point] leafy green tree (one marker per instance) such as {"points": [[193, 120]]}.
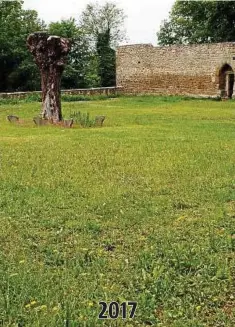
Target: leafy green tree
{"points": [[199, 22], [17, 69], [97, 19], [106, 59], [104, 27], [87, 60], [65, 28], [80, 71]]}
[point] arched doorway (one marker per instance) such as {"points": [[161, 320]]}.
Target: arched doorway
{"points": [[226, 81]]}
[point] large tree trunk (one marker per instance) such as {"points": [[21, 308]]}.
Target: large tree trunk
{"points": [[50, 54], [51, 99]]}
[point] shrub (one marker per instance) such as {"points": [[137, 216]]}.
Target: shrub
{"points": [[4, 101], [34, 97], [80, 97]]}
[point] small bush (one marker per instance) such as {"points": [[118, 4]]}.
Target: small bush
{"points": [[4, 101], [72, 98], [80, 97]]}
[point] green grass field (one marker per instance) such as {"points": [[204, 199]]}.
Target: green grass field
{"points": [[142, 209]]}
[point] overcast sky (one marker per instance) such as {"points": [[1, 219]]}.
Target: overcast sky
{"points": [[143, 18]]}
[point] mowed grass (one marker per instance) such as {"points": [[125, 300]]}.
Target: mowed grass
{"points": [[142, 209]]}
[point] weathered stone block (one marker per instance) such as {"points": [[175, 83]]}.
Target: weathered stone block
{"points": [[99, 120], [68, 123], [13, 119]]}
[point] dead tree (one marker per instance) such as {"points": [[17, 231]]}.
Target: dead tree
{"points": [[50, 53]]}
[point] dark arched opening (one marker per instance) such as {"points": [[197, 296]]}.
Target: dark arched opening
{"points": [[226, 81]]}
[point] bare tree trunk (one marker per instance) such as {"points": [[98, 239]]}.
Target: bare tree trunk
{"points": [[50, 53], [51, 97]]}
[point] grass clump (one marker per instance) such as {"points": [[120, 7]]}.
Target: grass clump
{"points": [[74, 98], [34, 97], [83, 119], [5, 101]]}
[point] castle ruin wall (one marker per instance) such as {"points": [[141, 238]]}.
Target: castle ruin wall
{"points": [[173, 70]]}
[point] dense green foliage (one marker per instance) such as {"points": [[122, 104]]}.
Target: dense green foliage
{"points": [[81, 68], [141, 209], [18, 71], [106, 59], [97, 19], [199, 22]]}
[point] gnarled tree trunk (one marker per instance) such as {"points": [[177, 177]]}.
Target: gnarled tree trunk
{"points": [[50, 53]]}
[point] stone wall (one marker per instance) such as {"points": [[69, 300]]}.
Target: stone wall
{"points": [[92, 91], [175, 70]]}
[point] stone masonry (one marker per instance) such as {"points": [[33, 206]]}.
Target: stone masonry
{"points": [[195, 70]]}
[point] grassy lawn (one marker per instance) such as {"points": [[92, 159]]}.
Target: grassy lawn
{"points": [[142, 209]]}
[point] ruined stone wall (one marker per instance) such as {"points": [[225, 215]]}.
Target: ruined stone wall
{"points": [[183, 70]]}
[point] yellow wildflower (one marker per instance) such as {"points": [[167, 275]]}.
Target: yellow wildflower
{"points": [[30, 304], [43, 307]]}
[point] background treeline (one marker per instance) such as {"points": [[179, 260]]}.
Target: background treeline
{"points": [[91, 62], [95, 33], [198, 22]]}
